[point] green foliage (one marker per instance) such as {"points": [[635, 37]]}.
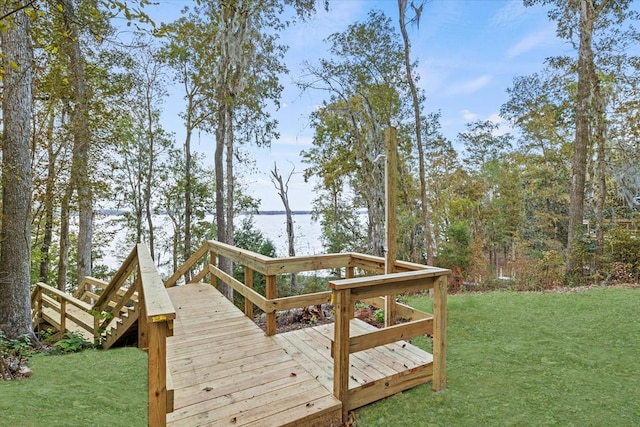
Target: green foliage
{"points": [[309, 284], [622, 254], [248, 237], [72, 342], [18, 347], [14, 354], [456, 250]]}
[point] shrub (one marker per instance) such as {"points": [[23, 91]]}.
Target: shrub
{"points": [[14, 355]]}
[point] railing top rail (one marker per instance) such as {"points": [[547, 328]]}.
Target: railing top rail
{"points": [[387, 279], [158, 305], [72, 300]]}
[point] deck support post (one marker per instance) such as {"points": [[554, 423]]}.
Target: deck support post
{"points": [[157, 373], [343, 305], [270, 293], [248, 282], [440, 334]]}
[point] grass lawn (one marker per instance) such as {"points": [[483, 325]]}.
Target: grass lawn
{"points": [[514, 359], [517, 359], [92, 388]]}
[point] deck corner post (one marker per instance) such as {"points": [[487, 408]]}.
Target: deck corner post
{"points": [[270, 293], [157, 334], [341, 340], [440, 334]]}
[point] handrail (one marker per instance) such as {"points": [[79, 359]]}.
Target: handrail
{"points": [[39, 295]]}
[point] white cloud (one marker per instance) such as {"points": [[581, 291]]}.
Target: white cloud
{"points": [[470, 86], [541, 38], [293, 140], [504, 126], [510, 14], [468, 115]]}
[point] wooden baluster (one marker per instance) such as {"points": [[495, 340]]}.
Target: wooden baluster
{"points": [[248, 281], [440, 334], [63, 316], [270, 293], [342, 304], [350, 274], [212, 261]]}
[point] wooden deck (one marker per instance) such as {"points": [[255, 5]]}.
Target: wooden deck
{"points": [[374, 374], [226, 372]]}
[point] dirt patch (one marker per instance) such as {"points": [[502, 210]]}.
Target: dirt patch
{"points": [[300, 318]]}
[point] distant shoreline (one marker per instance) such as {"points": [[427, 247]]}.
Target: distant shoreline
{"points": [[116, 212]]}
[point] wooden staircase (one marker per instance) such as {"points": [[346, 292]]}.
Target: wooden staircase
{"points": [[103, 313]]}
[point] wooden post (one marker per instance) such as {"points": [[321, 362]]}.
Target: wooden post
{"points": [[157, 334], [342, 304], [212, 261], [248, 281], [440, 334], [391, 171], [63, 316], [270, 293], [96, 327], [350, 274]]}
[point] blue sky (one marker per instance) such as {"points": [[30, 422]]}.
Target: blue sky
{"points": [[469, 51]]}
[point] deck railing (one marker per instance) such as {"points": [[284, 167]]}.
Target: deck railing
{"points": [[344, 293]]}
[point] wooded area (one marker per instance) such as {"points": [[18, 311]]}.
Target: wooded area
{"points": [[82, 128]]}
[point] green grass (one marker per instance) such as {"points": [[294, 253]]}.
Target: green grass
{"points": [[514, 359], [92, 388], [530, 360]]}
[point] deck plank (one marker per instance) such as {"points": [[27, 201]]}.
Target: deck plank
{"points": [[225, 371]]}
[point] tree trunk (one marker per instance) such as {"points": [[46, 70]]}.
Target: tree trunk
{"points": [[582, 137], [63, 257], [49, 198], [148, 187], [600, 141], [188, 208], [80, 176], [428, 238], [283, 191], [15, 241], [221, 229]]}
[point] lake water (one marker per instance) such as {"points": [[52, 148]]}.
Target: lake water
{"points": [[307, 237]]}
